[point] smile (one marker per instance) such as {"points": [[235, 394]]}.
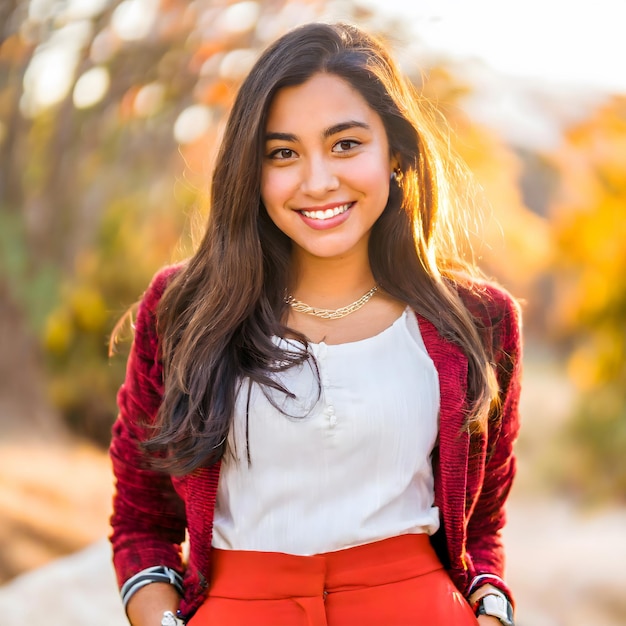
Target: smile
{"points": [[326, 214]]}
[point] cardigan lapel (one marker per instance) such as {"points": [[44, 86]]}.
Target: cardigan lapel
{"points": [[450, 469]]}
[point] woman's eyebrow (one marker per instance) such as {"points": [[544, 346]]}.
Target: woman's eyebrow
{"points": [[328, 132], [281, 137], [339, 128]]}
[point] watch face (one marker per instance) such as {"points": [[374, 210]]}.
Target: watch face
{"points": [[497, 605]]}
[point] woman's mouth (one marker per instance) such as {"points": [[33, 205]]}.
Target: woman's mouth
{"points": [[325, 214]]}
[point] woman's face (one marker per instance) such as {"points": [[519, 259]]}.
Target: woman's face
{"points": [[326, 169]]}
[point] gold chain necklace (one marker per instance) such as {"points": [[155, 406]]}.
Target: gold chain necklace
{"points": [[331, 314]]}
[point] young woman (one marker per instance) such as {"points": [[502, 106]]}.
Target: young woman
{"points": [[324, 398]]}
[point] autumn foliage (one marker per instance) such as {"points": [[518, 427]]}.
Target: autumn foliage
{"points": [[588, 219]]}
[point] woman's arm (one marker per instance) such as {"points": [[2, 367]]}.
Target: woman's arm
{"points": [[148, 518], [484, 542]]}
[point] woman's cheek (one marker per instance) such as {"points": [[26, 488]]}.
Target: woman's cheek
{"points": [[277, 187]]}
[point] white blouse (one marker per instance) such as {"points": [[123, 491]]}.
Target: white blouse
{"points": [[350, 467]]}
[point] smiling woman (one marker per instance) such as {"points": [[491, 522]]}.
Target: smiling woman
{"points": [[325, 395]]}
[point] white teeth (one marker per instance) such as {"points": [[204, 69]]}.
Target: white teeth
{"points": [[328, 213]]}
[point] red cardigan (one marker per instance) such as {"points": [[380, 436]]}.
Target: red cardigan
{"points": [[473, 475]]}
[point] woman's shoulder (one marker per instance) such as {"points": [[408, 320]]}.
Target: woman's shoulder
{"points": [[490, 303], [159, 283], [145, 321], [497, 316]]}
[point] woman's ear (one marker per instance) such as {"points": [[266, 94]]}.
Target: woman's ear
{"points": [[396, 170]]}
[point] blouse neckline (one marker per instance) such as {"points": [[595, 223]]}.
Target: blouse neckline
{"points": [[358, 342]]}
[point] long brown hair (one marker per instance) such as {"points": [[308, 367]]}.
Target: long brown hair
{"points": [[217, 318]]}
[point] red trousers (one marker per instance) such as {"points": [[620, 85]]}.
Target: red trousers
{"points": [[394, 582]]}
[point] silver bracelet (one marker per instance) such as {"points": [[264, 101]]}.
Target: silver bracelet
{"points": [[482, 578], [156, 574]]}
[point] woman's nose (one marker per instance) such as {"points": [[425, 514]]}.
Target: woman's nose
{"points": [[319, 177]]}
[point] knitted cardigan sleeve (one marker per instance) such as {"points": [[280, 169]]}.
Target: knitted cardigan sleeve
{"points": [[486, 520], [148, 520]]}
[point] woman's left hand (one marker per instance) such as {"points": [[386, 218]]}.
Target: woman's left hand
{"points": [[487, 620]]}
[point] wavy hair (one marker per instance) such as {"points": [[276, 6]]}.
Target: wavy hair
{"points": [[217, 318]]}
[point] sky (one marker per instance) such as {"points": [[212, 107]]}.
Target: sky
{"points": [[580, 43], [535, 66]]}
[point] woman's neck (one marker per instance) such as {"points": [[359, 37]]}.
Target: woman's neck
{"points": [[335, 283], [330, 283]]}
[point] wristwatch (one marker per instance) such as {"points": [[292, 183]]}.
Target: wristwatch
{"points": [[169, 619], [497, 605]]}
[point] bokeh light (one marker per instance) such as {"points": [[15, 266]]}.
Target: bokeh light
{"points": [[133, 20], [192, 123], [91, 87]]}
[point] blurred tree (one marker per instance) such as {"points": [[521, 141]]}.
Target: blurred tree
{"points": [[109, 113], [589, 313]]}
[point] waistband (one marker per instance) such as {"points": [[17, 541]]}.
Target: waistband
{"points": [[256, 575]]}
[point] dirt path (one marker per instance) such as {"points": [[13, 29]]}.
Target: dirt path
{"points": [[54, 499]]}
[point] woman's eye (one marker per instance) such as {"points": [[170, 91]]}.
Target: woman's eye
{"points": [[282, 153], [345, 145]]}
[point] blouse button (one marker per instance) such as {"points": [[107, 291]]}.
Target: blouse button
{"points": [[333, 420]]}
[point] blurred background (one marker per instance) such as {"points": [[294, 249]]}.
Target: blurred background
{"points": [[110, 112]]}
